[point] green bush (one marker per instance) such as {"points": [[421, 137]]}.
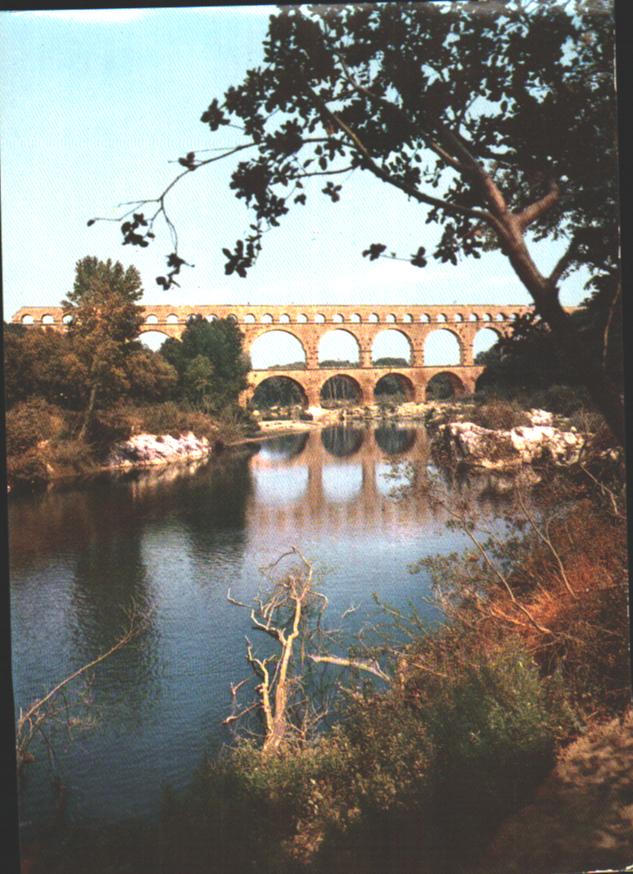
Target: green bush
{"points": [[27, 469], [495, 731], [71, 456], [563, 399], [30, 423], [498, 414], [170, 418], [112, 425]]}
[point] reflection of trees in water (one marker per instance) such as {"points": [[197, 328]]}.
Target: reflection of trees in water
{"points": [[393, 440], [109, 575], [284, 447], [341, 440], [216, 501]]}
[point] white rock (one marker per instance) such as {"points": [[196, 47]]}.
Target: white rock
{"points": [[149, 449]]}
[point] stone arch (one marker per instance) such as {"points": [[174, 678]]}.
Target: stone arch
{"points": [[151, 319], [373, 318], [210, 318], [425, 318], [278, 390], [27, 319], [67, 319], [340, 389], [319, 318], [442, 347], [458, 317], [249, 319], [486, 317], [500, 317], [444, 378], [284, 319], [172, 319], [485, 339], [355, 318], [388, 344], [301, 318], [289, 349], [390, 318], [48, 319], [334, 346], [473, 317], [266, 319], [152, 339], [338, 318], [232, 317], [441, 318], [394, 386], [407, 317]]}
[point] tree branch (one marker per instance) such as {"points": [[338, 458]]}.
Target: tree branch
{"points": [[562, 264], [371, 667], [381, 173], [533, 212]]}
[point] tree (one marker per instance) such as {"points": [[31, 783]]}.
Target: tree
{"points": [[498, 118], [104, 320], [210, 362]]}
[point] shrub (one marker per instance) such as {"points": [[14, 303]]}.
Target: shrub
{"points": [[31, 422], [563, 399], [27, 469], [71, 456], [495, 731], [498, 414], [169, 418], [110, 426]]}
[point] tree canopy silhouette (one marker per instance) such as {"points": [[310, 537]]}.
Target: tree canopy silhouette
{"points": [[498, 118]]}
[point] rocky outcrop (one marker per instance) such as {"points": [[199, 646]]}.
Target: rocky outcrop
{"points": [[505, 450], [143, 450]]}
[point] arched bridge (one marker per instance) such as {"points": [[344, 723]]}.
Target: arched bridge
{"points": [[309, 324]]}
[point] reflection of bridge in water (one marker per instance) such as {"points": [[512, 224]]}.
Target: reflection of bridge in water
{"points": [[340, 475]]}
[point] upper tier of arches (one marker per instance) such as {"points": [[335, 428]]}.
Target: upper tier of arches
{"points": [[261, 316]]}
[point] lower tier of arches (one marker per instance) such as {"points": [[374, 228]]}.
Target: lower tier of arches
{"points": [[358, 385]]}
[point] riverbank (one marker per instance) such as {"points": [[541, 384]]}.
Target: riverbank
{"points": [[182, 437]]}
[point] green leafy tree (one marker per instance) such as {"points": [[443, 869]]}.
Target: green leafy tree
{"points": [[150, 377], [104, 321], [198, 380], [496, 117], [43, 364], [210, 362]]}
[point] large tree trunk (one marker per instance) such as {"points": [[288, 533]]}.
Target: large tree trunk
{"points": [[601, 390], [544, 293]]}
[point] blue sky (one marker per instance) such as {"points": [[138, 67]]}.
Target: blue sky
{"points": [[95, 105]]}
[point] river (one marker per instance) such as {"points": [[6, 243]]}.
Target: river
{"points": [[174, 541]]}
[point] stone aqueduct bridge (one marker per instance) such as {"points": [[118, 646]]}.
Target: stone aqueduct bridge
{"points": [[308, 324]]}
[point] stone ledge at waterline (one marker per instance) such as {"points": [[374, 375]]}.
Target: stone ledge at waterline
{"points": [[508, 450], [148, 450]]}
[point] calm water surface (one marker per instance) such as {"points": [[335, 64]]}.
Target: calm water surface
{"points": [[175, 541]]}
